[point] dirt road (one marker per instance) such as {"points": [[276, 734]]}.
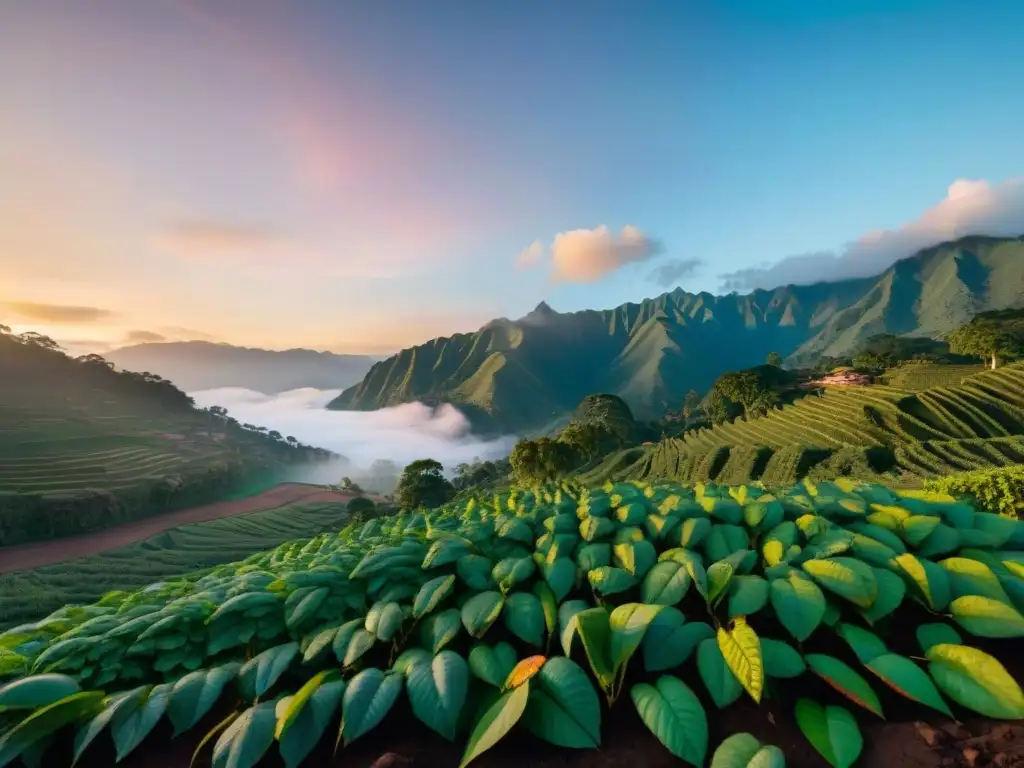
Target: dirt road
{"points": [[36, 554]]}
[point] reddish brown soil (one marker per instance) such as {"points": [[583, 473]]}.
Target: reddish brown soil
{"points": [[37, 554]]}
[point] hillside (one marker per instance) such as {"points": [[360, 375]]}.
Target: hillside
{"points": [[525, 374], [83, 446], [199, 365], [855, 431]]}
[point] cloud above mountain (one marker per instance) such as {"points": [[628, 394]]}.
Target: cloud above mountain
{"points": [[668, 274], [970, 207], [57, 313], [588, 255]]}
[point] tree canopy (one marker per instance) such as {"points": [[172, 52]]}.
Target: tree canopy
{"points": [[423, 484], [541, 460], [992, 336], [611, 412]]}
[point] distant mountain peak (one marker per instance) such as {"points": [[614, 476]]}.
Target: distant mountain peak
{"points": [[542, 312]]}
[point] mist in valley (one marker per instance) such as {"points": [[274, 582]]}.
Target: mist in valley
{"points": [[374, 446]]}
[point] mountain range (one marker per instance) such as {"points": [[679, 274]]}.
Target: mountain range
{"points": [[197, 365], [528, 375]]}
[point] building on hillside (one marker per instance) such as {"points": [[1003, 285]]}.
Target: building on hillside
{"points": [[841, 378]]}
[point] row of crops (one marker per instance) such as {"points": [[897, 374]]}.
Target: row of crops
{"points": [[672, 458], [545, 611], [985, 405], [27, 595], [920, 376]]}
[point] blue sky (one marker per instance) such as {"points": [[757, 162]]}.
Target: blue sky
{"points": [[363, 176]]}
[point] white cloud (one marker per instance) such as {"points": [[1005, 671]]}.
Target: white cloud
{"points": [[970, 207], [671, 272], [587, 255], [401, 434]]}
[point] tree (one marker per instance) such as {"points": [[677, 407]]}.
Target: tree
{"points": [[691, 404], [349, 486], [611, 412], [38, 340], [423, 484], [992, 336], [743, 387], [587, 438], [774, 358], [361, 508], [717, 407], [541, 461]]}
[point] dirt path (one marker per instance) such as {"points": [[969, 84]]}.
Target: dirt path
{"points": [[28, 556]]}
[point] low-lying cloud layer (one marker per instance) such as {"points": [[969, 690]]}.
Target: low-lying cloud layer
{"points": [[401, 434], [587, 255], [969, 208]]}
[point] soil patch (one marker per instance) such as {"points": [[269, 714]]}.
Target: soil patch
{"points": [[28, 556]]}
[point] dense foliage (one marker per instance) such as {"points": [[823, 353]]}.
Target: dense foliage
{"points": [[423, 484], [526, 609], [993, 336], [998, 490]]}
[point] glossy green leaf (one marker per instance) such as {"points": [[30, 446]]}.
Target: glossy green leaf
{"points": [[832, 731], [368, 697], [665, 584], [798, 603], [721, 683], [437, 692], [985, 617], [309, 726], [128, 732], [846, 577], [741, 750], [594, 629], [496, 721], [975, 680], [929, 582], [196, 693], [891, 591], [259, 674], [781, 659], [747, 595], [866, 645], [907, 679], [524, 617], [492, 664], [46, 721], [563, 707], [845, 680], [117, 706], [37, 691], [567, 627], [481, 611], [244, 743], [440, 629], [937, 634], [673, 713], [741, 649]]}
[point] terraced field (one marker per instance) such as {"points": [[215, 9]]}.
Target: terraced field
{"points": [[870, 432], [918, 376], [27, 595]]}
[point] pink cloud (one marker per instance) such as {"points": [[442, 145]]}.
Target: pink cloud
{"points": [[587, 255]]}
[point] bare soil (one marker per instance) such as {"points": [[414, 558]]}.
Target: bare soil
{"points": [[37, 554]]}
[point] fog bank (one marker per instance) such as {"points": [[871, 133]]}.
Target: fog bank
{"points": [[400, 434]]}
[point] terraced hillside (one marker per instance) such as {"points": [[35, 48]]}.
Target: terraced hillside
{"points": [[857, 431], [918, 376], [83, 446], [27, 595]]}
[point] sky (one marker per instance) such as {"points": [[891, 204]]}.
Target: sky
{"points": [[362, 177]]}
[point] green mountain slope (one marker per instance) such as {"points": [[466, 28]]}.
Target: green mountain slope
{"points": [[525, 374]]}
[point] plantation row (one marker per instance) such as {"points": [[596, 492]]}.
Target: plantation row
{"points": [[919, 376], [985, 405], [671, 458], [539, 610], [28, 595]]}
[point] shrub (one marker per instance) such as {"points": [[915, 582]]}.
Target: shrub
{"points": [[998, 490]]}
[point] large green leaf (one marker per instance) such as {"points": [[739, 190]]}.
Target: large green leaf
{"points": [[741, 750], [975, 680], [196, 693], [609, 580], [798, 603], [627, 624], [907, 679], [673, 713], [937, 634], [567, 626], [309, 726], [560, 576], [891, 591], [970, 577], [492, 664], [46, 721], [594, 629], [369, 696], [865, 645], [481, 611], [431, 594], [116, 706], [781, 659], [260, 673], [564, 708], [670, 640], [437, 691], [747, 595], [290, 707], [524, 617], [841, 677], [845, 576], [496, 721], [929, 582], [129, 732], [721, 683], [665, 584], [247, 739], [37, 691], [985, 617], [440, 629], [832, 731]]}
